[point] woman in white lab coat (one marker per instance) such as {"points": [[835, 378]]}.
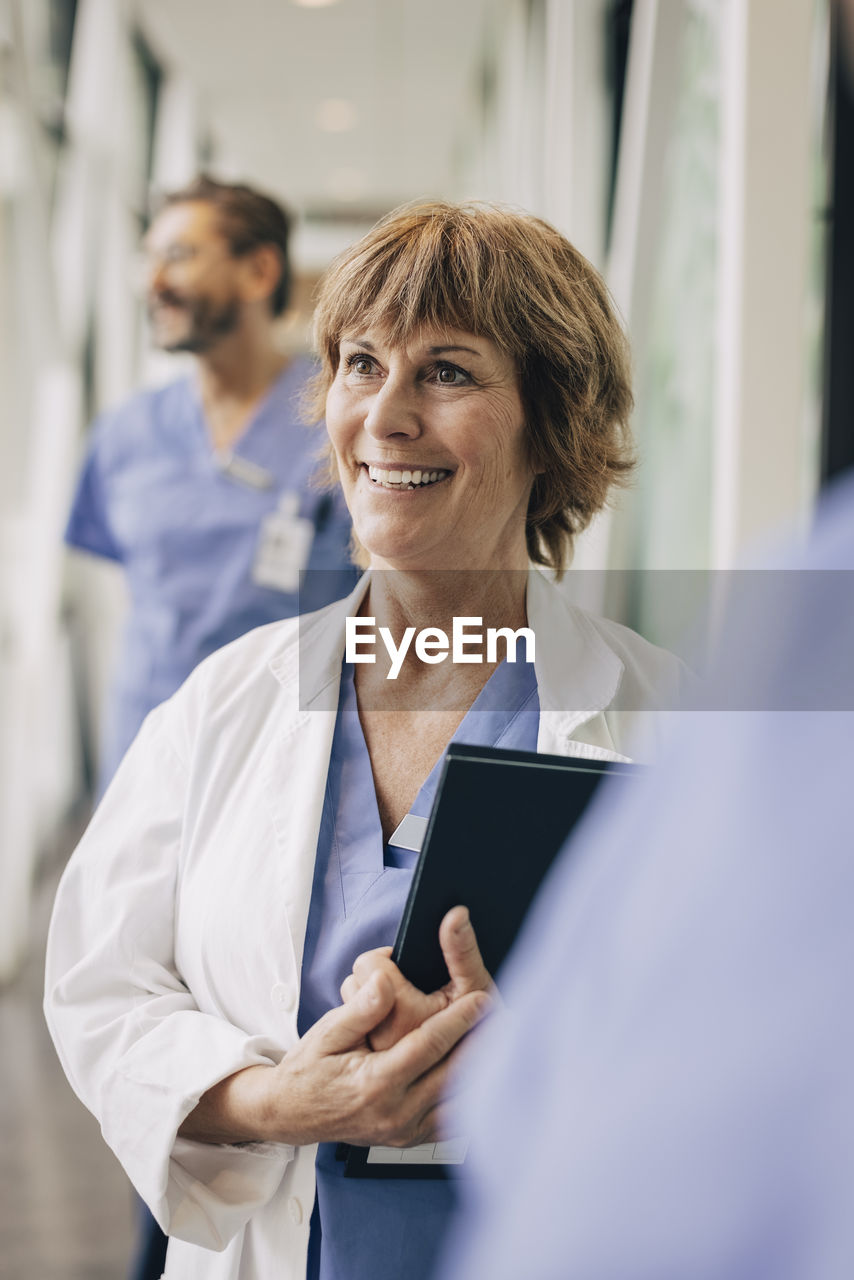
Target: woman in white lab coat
{"points": [[476, 394]]}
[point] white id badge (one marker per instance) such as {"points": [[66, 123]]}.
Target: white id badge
{"points": [[284, 545]]}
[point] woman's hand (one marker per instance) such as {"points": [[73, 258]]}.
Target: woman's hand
{"points": [[332, 1086], [411, 1006]]}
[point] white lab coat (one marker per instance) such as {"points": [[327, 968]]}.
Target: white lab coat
{"points": [[176, 943]]}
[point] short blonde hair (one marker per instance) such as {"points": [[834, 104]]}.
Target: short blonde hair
{"points": [[512, 278]]}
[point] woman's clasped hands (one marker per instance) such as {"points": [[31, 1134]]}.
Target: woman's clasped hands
{"points": [[374, 1071], [421, 1030], [412, 1007]]}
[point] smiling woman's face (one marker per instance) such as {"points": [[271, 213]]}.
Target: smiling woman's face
{"points": [[430, 445]]}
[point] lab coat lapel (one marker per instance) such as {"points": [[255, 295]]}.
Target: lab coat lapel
{"points": [[578, 676], [308, 669]]}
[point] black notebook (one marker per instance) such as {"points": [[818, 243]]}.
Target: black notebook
{"points": [[498, 820]]}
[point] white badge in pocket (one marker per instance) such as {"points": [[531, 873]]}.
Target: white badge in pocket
{"points": [[284, 545]]}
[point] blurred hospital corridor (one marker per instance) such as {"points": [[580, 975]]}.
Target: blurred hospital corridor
{"points": [[66, 1211]]}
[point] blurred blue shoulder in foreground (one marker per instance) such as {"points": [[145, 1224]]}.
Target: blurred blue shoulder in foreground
{"points": [[671, 1095]]}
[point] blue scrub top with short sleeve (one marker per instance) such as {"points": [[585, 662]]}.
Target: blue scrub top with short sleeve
{"points": [[154, 496], [364, 1229]]}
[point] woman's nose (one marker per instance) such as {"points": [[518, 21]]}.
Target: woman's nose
{"points": [[393, 411]]}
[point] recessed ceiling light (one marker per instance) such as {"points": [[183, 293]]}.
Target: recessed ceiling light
{"points": [[314, 4], [336, 115]]}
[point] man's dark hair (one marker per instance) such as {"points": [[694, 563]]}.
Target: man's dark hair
{"points": [[247, 219]]}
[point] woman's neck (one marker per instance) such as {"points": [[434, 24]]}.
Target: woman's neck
{"points": [[434, 597], [407, 603]]}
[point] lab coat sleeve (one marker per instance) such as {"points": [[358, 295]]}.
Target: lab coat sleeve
{"points": [[136, 1048]]}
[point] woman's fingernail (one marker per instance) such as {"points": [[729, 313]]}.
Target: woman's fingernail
{"points": [[464, 923]]}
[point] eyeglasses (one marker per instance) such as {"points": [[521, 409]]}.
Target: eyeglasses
{"points": [[170, 256], [146, 262]]}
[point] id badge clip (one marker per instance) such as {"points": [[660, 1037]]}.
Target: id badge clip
{"points": [[284, 546]]}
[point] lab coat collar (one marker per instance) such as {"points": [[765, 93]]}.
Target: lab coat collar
{"points": [[578, 674], [313, 653]]}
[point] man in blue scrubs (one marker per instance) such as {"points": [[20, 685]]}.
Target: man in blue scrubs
{"points": [[202, 490]]}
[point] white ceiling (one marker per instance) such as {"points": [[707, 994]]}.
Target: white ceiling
{"points": [[407, 72]]}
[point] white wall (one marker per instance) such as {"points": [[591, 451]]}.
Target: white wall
{"points": [[68, 270]]}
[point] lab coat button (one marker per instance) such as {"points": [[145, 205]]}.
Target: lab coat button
{"points": [[295, 1211], [282, 995]]}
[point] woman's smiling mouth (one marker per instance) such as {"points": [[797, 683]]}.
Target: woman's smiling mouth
{"points": [[411, 478]]}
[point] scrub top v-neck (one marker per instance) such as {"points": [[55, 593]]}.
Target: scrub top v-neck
{"points": [[186, 525], [366, 1229]]}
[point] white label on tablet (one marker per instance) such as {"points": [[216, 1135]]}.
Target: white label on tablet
{"points": [[452, 1151]]}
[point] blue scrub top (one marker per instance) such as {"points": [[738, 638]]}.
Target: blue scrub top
{"points": [[364, 1229], [154, 497], [676, 1060]]}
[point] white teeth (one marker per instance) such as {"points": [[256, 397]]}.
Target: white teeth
{"points": [[404, 479]]}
